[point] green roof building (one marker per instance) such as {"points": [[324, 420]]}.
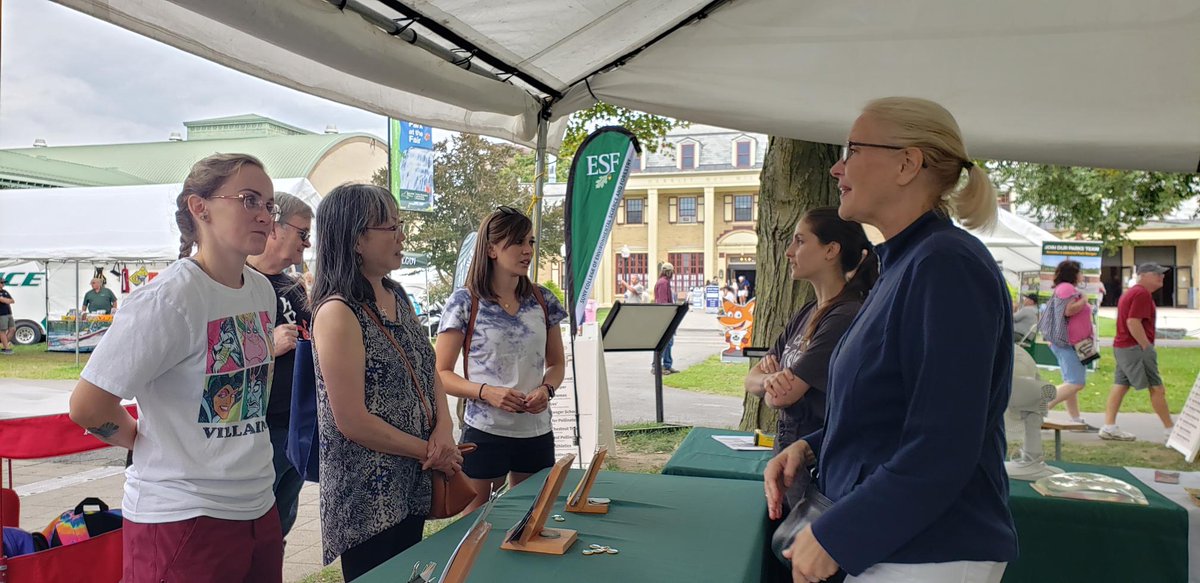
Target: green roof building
{"points": [[326, 159]]}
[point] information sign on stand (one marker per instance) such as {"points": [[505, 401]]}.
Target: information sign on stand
{"points": [[712, 299], [643, 328], [595, 413], [1185, 438]]}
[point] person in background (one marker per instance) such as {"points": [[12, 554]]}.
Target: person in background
{"points": [[729, 295], [381, 410], [1073, 303], [634, 290], [1133, 349], [515, 359], [663, 294], [743, 290], [913, 448], [198, 503], [7, 326], [835, 256], [285, 248], [1025, 317], [99, 299]]}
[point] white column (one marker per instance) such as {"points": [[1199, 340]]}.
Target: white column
{"points": [[710, 232], [652, 259]]}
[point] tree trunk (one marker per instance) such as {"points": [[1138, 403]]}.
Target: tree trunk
{"points": [[795, 177]]}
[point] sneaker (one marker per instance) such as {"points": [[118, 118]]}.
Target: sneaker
{"points": [[6, 351], [1115, 434], [672, 370], [1089, 428]]}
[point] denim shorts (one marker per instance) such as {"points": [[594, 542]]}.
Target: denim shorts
{"points": [[1073, 371]]}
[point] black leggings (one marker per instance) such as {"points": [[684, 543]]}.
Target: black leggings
{"points": [[375, 551]]}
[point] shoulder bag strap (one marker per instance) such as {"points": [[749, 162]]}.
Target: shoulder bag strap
{"points": [[541, 300], [470, 333], [408, 365]]}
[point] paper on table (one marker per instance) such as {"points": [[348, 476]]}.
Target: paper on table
{"points": [[739, 442], [1185, 438]]}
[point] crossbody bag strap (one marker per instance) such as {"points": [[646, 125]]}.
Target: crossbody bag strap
{"points": [[470, 333], [408, 365], [541, 300]]}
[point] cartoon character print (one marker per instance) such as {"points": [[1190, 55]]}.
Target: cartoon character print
{"points": [[224, 347], [254, 345], [739, 325], [223, 396], [258, 381]]}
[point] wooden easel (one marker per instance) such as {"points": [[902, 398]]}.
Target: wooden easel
{"points": [[578, 500], [535, 538]]}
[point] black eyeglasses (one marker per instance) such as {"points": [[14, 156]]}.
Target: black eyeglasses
{"points": [[254, 203], [398, 226], [303, 233], [847, 152]]}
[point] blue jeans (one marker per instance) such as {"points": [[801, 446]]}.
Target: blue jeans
{"points": [[668, 362], [287, 481]]}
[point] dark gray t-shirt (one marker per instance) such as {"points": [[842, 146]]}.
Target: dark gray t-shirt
{"points": [[810, 363]]}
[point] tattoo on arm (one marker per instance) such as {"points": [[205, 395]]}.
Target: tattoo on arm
{"points": [[105, 431]]}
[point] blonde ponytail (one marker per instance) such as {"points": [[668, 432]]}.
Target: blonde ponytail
{"points": [[930, 127]]}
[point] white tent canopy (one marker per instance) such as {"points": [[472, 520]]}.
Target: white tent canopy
{"points": [[1016, 244], [131, 223], [1108, 83]]}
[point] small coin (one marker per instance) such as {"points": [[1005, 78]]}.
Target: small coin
{"points": [[599, 500], [589, 552], [596, 546], [559, 518], [612, 551]]}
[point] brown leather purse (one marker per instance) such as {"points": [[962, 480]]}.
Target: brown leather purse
{"points": [[450, 494]]}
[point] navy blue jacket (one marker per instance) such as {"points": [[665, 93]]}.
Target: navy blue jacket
{"points": [[913, 449]]}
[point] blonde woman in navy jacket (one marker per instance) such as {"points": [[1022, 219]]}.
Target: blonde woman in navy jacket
{"points": [[912, 453]]}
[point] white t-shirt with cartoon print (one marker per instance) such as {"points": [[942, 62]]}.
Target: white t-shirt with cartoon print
{"points": [[197, 357]]}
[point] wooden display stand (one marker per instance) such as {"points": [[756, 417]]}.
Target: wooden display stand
{"points": [[535, 538], [464, 558], [578, 501]]}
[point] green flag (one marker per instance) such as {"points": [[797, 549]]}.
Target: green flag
{"points": [[597, 181]]}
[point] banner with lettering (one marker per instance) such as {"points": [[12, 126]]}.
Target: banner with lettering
{"points": [[411, 165], [594, 190]]}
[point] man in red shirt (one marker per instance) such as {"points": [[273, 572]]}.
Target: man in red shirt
{"points": [[1133, 349], [664, 295]]}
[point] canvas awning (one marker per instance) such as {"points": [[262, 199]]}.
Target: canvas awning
{"points": [[1108, 83]]}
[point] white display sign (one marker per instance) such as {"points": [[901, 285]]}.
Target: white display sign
{"points": [[595, 412], [1185, 438]]}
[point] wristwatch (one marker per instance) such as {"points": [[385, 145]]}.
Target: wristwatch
{"points": [[549, 389]]}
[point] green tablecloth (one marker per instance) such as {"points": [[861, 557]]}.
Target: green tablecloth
{"points": [[1078, 540], [667, 528], [701, 455]]}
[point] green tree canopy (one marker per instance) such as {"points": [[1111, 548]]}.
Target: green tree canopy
{"points": [[1095, 203]]}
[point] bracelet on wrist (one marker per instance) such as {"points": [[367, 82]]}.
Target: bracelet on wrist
{"points": [[481, 386]]}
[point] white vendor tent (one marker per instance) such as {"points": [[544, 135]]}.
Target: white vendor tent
{"points": [[1107, 83], [1016, 244], [111, 223]]}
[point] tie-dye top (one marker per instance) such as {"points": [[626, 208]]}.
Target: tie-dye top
{"points": [[365, 492], [506, 351]]}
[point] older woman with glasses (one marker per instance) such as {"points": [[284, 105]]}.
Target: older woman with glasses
{"points": [[381, 410], [506, 329], [912, 452]]}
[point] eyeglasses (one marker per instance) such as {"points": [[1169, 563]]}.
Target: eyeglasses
{"points": [[303, 233], [397, 227], [847, 152], [254, 203]]}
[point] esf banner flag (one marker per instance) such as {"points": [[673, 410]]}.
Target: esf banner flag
{"points": [[597, 182]]}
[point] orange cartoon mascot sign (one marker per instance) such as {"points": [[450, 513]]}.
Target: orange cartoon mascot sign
{"points": [[738, 321]]}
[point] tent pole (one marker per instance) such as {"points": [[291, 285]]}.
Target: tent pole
{"points": [[539, 181], [78, 313]]}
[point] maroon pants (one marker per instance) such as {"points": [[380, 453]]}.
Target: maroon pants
{"points": [[204, 550]]}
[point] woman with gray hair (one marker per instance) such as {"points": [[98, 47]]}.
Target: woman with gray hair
{"points": [[285, 248], [381, 410]]}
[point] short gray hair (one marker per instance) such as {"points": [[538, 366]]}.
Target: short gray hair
{"points": [[290, 205]]}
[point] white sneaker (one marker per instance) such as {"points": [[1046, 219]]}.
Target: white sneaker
{"points": [[1115, 434]]}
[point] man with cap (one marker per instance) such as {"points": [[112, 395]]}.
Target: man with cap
{"points": [[1133, 349], [664, 295], [1026, 317]]}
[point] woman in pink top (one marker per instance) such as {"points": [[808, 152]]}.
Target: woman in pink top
{"points": [[1067, 276]]}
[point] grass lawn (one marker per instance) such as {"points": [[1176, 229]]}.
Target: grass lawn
{"points": [[711, 376], [1107, 327], [33, 362], [1178, 367]]}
